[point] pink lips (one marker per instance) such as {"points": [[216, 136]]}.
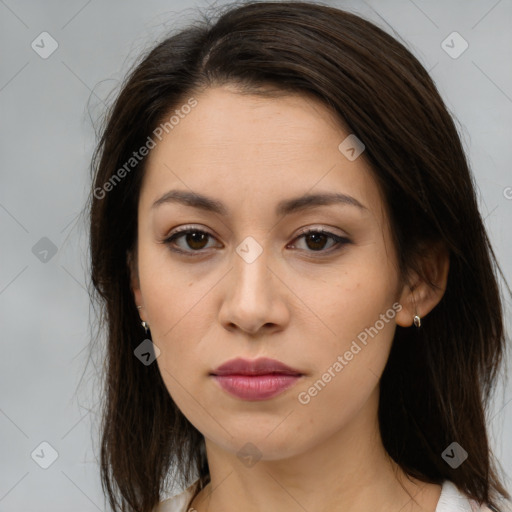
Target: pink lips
{"points": [[259, 379]]}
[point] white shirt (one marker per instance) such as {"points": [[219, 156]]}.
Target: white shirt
{"points": [[451, 500]]}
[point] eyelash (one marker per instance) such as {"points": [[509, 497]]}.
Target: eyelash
{"points": [[340, 241]]}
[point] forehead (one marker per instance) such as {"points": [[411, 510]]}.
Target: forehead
{"points": [[224, 116], [250, 146]]}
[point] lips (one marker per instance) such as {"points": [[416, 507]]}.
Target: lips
{"points": [[261, 366], [260, 379]]}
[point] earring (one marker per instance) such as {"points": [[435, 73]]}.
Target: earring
{"points": [[139, 307], [145, 325], [417, 321]]}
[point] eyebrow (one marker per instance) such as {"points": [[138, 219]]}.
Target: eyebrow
{"points": [[284, 207]]}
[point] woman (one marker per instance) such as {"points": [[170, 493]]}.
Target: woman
{"points": [[301, 298]]}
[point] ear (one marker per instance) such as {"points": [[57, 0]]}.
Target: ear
{"points": [[420, 295], [131, 262]]}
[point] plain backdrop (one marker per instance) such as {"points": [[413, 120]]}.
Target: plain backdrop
{"points": [[48, 102]]}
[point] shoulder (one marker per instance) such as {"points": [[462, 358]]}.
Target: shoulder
{"points": [[178, 503], [453, 499]]}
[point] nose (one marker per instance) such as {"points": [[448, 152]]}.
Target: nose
{"points": [[254, 297]]}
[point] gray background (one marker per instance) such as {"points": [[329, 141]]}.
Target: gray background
{"points": [[47, 139]]}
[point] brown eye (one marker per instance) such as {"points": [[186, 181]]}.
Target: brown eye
{"points": [[316, 240], [192, 240], [196, 239]]}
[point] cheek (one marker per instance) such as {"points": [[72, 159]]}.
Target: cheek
{"points": [[178, 318], [173, 295], [357, 306], [342, 391], [350, 298], [350, 369]]}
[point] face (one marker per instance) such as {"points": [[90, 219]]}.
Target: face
{"points": [[311, 284]]}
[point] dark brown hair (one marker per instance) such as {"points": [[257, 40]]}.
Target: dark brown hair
{"points": [[438, 381]]}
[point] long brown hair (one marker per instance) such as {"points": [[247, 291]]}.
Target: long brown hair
{"points": [[438, 381]]}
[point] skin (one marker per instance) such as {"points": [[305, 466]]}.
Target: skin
{"points": [[298, 305]]}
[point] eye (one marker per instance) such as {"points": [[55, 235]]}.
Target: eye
{"points": [[316, 239], [194, 239]]}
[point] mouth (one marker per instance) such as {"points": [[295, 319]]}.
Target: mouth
{"points": [[259, 379]]}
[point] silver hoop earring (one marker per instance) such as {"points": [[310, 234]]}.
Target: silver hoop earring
{"points": [[417, 321]]}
